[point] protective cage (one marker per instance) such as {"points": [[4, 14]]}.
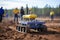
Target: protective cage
{"points": [[22, 29]]}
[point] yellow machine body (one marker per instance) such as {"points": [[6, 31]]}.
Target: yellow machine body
{"points": [[31, 16]]}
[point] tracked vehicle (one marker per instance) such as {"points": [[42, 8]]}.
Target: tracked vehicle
{"points": [[29, 22]]}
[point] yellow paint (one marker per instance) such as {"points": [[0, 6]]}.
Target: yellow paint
{"points": [[30, 16]]}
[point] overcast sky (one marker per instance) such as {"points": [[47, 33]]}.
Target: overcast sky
{"points": [[9, 4]]}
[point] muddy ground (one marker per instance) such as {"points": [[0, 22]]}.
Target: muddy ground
{"points": [[8, 32]]}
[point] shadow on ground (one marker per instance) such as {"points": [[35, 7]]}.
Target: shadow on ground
{"points": [[45, 33]]}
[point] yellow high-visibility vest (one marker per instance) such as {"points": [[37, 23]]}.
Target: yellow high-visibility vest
{"points": [[52, 13], [15, 11]]}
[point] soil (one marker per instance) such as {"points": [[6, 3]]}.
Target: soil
{"points": [[8, 31]]}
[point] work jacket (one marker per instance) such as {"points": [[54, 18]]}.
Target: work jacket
{"points": [[1, 11], [51, 13], [15, 11]]}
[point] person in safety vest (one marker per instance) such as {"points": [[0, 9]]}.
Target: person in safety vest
{"points": [[16, 12], [52, 15]]}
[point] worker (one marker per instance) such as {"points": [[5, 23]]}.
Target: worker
{"points": [[6, 13], [22, 12], [1, 13], [52, 15], [16, 12], [30, 10]]}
